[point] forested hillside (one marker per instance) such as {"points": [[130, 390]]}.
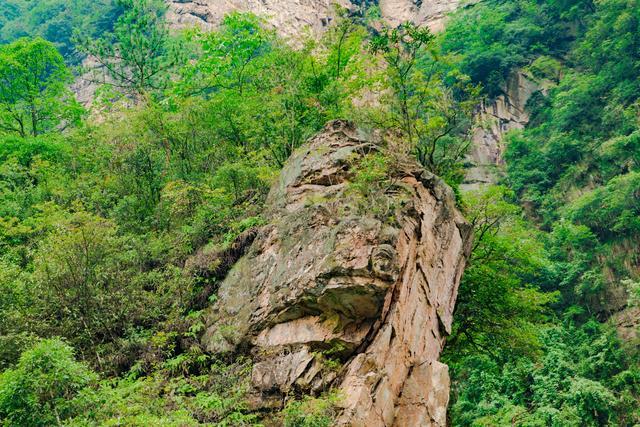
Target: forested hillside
{"points": [[58, 21], [573, 170], [108, 211]]}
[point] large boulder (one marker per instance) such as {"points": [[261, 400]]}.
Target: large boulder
{"points": [[331, 294]]}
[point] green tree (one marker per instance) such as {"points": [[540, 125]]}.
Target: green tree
{"points": [[500, 305], [34, 98], [89, 287], [261, 95], [14, 298], [140, 53], [40, 390], [431, 105]]}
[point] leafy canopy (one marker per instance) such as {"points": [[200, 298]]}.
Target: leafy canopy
{"points": [[34, 98], [41, 389]]}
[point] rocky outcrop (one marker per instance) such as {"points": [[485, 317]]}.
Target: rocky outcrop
{"points": [[497, 117], [291, 17], [334, 294], [627, 324], [431, 13]]}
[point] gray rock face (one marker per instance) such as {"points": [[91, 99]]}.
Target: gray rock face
{"points": [[327, 278], [506, 112], [431, 13], [291, 17]]}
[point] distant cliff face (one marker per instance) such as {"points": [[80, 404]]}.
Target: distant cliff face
{"points": [[431, 13], [497, 117], [329, 280], [291, 17]]}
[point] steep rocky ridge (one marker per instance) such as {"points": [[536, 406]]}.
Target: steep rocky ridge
{"points": [[331, 279], [291, 17]]}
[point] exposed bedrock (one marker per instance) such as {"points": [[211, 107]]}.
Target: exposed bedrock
{"points": [[291, 17], [331, 296], [497, 117]]}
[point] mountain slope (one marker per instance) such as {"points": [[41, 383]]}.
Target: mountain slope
{"points": [[201, 248]]}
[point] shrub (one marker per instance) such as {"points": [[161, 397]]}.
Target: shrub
{"points": [[40, 391]]}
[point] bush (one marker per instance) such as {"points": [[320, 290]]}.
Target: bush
{"points": [[311, 412], [40, 391]]}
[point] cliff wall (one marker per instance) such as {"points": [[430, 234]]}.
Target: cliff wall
{"points": [[291, 17], [497, 117]]}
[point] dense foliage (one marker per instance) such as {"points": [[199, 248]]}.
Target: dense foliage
{"points": [[57, 21], [496, 36], [574, 170], [579, 380], [42, 388]]}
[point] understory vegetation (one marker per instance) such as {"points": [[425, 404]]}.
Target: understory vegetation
{"points": [[105, 208]]}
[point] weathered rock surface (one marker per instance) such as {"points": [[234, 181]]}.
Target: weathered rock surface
{"points": [[288, 17], [291, 17], [627, 323], [327, 278], [431, 13], [506, 112]]}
